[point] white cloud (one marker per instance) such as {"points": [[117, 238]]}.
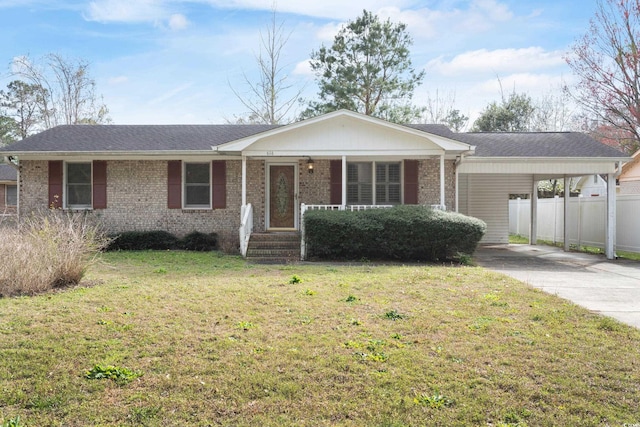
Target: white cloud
{"points": [[178, 21], [497, 61], [125, 11], [303, 69], [117, 80], [169, 94]]}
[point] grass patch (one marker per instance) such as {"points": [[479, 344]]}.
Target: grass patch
{"points": [[518, 239], [223, 342]]}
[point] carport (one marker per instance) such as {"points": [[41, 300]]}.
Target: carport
{"points": [[514, 163]]}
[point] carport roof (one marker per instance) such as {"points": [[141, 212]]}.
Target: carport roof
{"points": [[538, 144]]}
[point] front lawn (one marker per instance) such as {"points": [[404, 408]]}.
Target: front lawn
{"points": [[203, 339]]}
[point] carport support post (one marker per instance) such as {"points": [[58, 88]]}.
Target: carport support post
{"points": [[533, 232], [609, 247], [567, 196], [442, 189]]}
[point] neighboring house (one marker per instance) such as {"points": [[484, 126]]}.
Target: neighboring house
{"points": [[8, 189], [215, 178], [629, 179], [591, 186]]}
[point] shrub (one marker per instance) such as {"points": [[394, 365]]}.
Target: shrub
{"points": [[196, 241], [47, 251], [401, 233], [143, 240], [162, 240]]}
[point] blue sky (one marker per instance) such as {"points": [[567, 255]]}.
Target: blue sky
{"points": [[173, 61]]}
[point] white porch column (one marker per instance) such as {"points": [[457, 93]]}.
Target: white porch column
{"points": [[457, 190], [244, 180], [610, 234], [567, 196], [344, 181], [533, 232], [442, 193]]}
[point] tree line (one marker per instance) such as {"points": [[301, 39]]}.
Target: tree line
{"points": [[368, 69]]}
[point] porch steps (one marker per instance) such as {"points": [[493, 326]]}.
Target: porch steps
{"points": [[274, 248]]}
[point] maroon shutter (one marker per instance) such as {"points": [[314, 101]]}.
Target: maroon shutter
{"points": [[174, 184], [99, 184], [219, 184], [410, 182], [55, 184], [335, 179]]}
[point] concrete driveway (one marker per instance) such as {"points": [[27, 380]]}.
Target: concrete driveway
{"points": [[611, 288]]}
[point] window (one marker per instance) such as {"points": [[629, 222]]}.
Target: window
{"points": [[361, 181], [78, 185], [387, 183], [359, 184], [11, 195], [197, 185]]}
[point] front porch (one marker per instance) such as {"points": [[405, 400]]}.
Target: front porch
{"points": [[276, 193]]}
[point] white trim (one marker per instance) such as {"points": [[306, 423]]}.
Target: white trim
{"points": [[242, 145], [184, 187], [65, 187], [267, 195]]}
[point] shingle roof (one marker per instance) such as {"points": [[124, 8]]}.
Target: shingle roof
{"points": [[112, 138], [144, 138], [538, 144], [8, 173]]}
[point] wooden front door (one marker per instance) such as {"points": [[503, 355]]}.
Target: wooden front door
{"points": [[282, 213]]}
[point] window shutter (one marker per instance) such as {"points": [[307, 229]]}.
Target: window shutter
{"points": [[99, 184], [55, 184], [174, 184], [335, 179], [219, 184], [410, 182]]}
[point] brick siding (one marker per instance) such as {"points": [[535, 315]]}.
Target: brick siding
{"points": [[137, 195]]}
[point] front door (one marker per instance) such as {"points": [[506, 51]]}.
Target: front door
{"points": [[282, 183]]}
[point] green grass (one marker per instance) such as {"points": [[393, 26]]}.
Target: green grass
{"points": [[215, 341]]}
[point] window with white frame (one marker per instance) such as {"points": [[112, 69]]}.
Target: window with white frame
{"points": [[197, 185], [11, 195], [78, 185], [364, 177]]}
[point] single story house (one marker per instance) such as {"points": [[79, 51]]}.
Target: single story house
{"points": [[242, 179], [8, 189]]}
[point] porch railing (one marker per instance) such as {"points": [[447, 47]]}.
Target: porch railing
{"points": [[304, 208], [246, 227]]}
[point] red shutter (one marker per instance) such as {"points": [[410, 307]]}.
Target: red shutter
{"points": [[174, 184], [410, 182], [219, 184], [55, 184], [335, 179], [99, 184]]}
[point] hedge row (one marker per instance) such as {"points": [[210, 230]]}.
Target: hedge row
{"points": [[162, 240], [400, 233]]}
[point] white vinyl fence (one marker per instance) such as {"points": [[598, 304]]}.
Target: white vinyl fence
{"points": [[587, 214]]}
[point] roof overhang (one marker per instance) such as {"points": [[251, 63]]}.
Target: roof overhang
{"points": [[547, 166], [120, 155]]}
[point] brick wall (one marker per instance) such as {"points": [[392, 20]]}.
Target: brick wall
{"points": [[429, 187], [137, 195], [137, 200]]}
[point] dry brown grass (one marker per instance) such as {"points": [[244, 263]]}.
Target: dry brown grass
{"points": [[46, 251]]}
